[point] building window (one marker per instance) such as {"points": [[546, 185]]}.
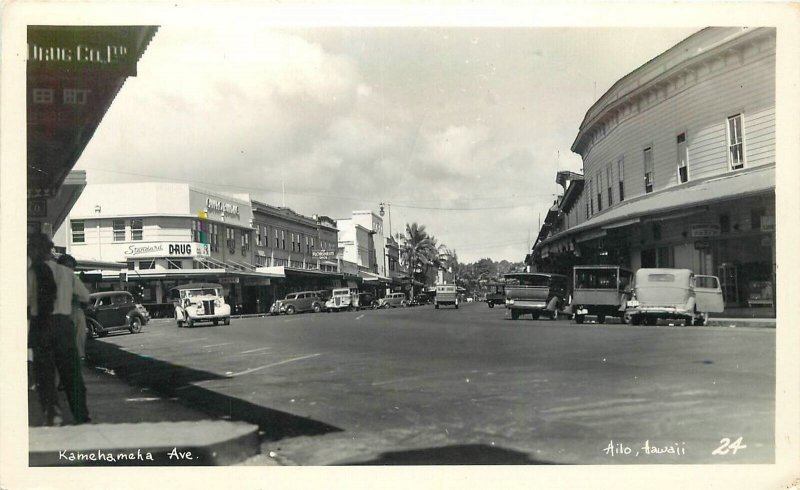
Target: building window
{"points": [[245, 242], [735, 142], [174, 264], [43, 95], [137, 229], [277, 240], [78, 233], [591, 197], [656, 231], [683, 159], [599, 191], [214, 239], [755, 218], [147, 264], [609, 188], [258, 235], [648, 170], [621, 175], [283, 239], [260, 261], [119, 230], [75, 96], [724, 223]]}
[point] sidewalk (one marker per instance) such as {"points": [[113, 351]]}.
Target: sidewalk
{"points": [[133, 426]]}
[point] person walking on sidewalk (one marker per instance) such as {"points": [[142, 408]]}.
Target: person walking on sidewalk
{"points": [[78, 316], [51, 288]]}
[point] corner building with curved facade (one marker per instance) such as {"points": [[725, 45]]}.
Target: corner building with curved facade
{"points": [[678, 169]]}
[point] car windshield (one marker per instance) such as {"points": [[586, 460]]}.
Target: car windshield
{"points": [[661, 278], [528, 280]]}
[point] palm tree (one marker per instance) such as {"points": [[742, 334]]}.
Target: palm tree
{"points": [[416, 244]]}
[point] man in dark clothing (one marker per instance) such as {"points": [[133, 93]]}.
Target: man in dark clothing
{"points": [[51, 288]]}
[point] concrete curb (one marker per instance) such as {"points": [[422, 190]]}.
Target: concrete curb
{"points": [[196, 443]]}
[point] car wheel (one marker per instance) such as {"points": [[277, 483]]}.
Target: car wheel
{"points": [[700, 321], [491, 305], [216, 322], [535, 315], [189, 323], [436, 306], [350, 308], [316, 308], [635, 320], [135, 325], [651, 321], [579, 319], [290, 310], [554, 316], [456, 305], [514, 314], [180, 324], [601, 318], [226, 321]]}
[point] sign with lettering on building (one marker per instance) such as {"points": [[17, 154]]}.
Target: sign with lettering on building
{"points": [[703, 230], [323, 254], [166, 249]]}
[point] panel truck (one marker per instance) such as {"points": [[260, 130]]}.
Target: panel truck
{"points": [[445, 295], [537, 293]]}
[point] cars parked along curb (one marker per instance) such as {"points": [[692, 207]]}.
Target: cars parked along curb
{"points": [[114, 311]]}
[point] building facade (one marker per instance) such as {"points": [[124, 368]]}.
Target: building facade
{"points": [[678, 169], [166, 234]]}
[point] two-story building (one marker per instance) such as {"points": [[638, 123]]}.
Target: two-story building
{"points": [[166, 234], [678, 169]]}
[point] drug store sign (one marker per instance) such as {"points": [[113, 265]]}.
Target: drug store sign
{"points": [[167, 249]]}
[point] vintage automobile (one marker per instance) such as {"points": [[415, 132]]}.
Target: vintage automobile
{"points": [[600, 291], [114, 311], [200, 302], [298, 303], [341, 299], [676, 294], [496, 294], [445, 295], [393, 300], [537, 293], [363, 301]]}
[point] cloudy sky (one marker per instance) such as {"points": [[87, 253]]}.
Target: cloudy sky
{"points": [[461, 129]]}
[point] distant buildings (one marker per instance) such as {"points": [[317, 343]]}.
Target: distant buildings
{"points": [[166, 234], [678, 169]]}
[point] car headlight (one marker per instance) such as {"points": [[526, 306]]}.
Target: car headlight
{"points": [[509, 301]]}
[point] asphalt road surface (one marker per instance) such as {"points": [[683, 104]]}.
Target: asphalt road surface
{"points": [[468, 386]]}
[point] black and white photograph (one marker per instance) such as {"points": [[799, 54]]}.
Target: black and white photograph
{"points": [[452, 242]]}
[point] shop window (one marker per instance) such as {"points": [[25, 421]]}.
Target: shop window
{"points": [[735, 142], [137, 229], [648, 170], [683, 159], [131, 265], [119, 230], [78, 232]]}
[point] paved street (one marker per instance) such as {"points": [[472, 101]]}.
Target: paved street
{"points": [[467, 386]]}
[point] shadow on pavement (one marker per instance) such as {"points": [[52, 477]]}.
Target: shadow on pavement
{"points": [[463, 454], [176, 381]]}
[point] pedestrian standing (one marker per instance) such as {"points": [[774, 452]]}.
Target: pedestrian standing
{"points": [[78, 307], [51, 288]]}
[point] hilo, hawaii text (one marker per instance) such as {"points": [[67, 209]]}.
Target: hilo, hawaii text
{"points": [[121, 456], [726, 446], [620, 449]]}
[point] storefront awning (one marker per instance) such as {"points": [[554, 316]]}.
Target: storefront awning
{"points": [[371, 277], [735, 185], [94, 265]]}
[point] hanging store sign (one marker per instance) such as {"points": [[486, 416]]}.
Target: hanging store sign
{"points": [[702, 230], [166, 249], [222, 207]]}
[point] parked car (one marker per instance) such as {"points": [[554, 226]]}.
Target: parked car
{"points": [[341, 299], [496, 295], [393, 300], [114, 311], [298, 303], [200, 302], [445, 295], [601, 291], [673, 294], [365, 300], [536, 293], [422, 299]]}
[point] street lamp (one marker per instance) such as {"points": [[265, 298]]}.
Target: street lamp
{"points": [[382, 213]]}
